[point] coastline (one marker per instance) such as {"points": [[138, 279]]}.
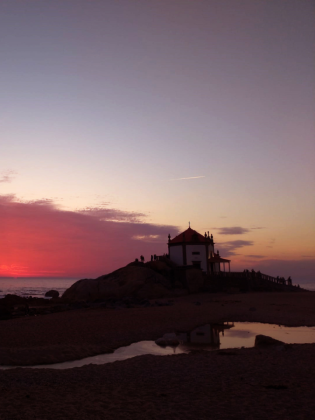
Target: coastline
{"points": [[38, 286], [33, 286]]}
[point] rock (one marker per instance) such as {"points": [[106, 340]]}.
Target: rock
{"points": [[162, 267], [77, 305], [152, 290], [13, 300], [265, 341], [52, 294], [131, 281]]}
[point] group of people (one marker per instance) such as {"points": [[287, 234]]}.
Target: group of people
{"points": [[282, 280], [279, 280]]}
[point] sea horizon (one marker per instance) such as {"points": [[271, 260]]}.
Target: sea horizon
{"points": [[38, 286], [34, 286]]}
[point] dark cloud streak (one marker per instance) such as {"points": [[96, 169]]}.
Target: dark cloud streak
{"points": [[108, 214], [255, 256], [228, 248], [7, 176], [233, 230]]}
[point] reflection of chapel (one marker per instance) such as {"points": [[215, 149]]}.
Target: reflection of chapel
{"points": [[190, 248]]}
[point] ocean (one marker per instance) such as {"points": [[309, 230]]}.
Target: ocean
{"points": [[35, 287]]}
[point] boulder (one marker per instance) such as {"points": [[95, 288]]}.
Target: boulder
{"points": [[132, 280], [265, 341], [52, 294], [13, 300]]}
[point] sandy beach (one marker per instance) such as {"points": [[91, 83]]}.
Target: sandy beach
{"points": [[226, 384]]}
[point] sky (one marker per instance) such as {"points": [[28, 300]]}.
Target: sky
{"points": [[122, 121]]}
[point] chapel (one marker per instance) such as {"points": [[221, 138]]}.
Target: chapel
{"points": [[190, 248]]}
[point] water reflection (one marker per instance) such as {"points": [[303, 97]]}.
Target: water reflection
{"points": [[136, 349], [206, 336], [234, 335], [210, 336]]}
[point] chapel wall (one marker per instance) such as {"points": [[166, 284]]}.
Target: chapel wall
{"points": [[192, 255]]}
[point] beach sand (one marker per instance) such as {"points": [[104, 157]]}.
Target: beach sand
{"points": [[276, 383]]}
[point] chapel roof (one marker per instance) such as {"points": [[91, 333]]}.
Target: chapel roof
{"points": [[189, 235]]}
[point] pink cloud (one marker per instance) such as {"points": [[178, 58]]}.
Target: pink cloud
{"points": [[39, 239]]}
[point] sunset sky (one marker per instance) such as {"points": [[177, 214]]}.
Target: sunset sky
{"points": [[122, 120]]}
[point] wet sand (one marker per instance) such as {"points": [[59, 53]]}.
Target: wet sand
{"points": [[246, 383]]}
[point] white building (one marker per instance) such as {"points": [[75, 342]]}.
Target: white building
{"points": [[192, 248]]}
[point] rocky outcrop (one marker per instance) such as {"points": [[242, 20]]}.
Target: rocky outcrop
{"points": [[52, 294], [138, 281], [11, 300], [265, 341]]}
